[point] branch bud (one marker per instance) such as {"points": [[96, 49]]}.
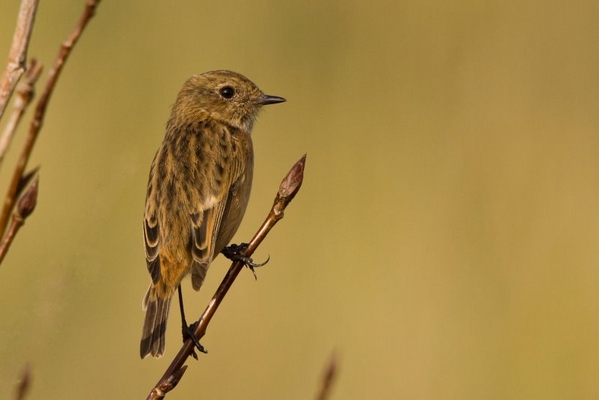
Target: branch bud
{"points": [[28, 201]]}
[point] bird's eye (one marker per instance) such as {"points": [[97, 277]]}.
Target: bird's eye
{"points": [[227, 92]]}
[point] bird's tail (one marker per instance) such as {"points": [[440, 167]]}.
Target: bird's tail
{"points": [[153, 336]]}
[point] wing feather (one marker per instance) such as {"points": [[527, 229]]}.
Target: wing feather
{"points": [[205, 229], [151, 236]]}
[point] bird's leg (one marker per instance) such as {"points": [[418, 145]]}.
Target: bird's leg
{"points": [[234, 252], [189, 330]]}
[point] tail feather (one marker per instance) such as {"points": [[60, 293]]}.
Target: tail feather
{"points": [[153, 336]]}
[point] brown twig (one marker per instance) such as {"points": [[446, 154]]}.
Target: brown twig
{"points": [[18, 52], [40, 110], [25, 94], [287, 191], [328, 378], [24, 208], [24, 384]]}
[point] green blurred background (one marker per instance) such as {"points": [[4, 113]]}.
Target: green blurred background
{"points": [[444, 243]]}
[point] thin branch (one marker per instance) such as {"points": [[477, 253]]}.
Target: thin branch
{"points": [[287, 191], [24, 209], [328, 378], [24, 384], [40, 110], [25, 94], [18, 52]]}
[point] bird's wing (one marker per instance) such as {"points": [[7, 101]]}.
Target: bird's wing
{"points": [[205, 227], [151, 236]]}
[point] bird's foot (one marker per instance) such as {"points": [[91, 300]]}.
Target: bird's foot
{"points": [[189, 333], [234, 252]]}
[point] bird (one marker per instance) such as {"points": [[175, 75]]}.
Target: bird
{"points": [[198, 189]]}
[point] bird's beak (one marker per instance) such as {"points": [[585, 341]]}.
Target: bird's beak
{"points": [[267, 99]]}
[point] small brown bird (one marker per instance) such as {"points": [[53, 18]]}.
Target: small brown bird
{"points": [[199, 187]]}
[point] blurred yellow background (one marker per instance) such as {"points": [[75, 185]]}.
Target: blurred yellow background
{"points": [[444, 243]]}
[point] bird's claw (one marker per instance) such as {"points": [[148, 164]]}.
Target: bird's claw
{"points": [[234, 252], [189, 333]]}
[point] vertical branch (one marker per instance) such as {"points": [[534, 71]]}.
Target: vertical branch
{"points": [[25, 93], [18, 52], [40, 110]]}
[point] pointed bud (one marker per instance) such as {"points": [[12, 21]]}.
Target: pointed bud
{"points": [[293, 181], [28, 201]]}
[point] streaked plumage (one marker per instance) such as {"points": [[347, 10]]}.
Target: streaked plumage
{"points": [[198, 190]]}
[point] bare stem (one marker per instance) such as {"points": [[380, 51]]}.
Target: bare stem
{"points": [[18, 52], [24, 384], [24, 208], [328, 378], [25, 94], [287, 190], [40, 110]]}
